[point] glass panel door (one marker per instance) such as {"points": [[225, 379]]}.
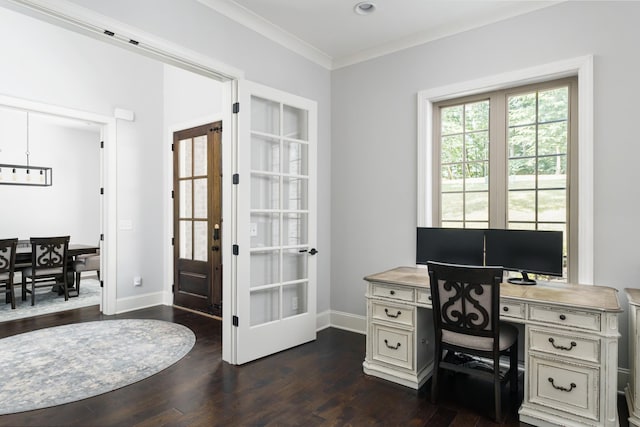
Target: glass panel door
{"points": [[276, 292]]}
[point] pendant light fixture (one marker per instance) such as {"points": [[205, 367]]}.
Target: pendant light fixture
{"points": [[38, 176]]}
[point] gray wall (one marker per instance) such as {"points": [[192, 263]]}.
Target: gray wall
{"points": [[374, 137], [69, 207], [189, 23], [51, 65]]}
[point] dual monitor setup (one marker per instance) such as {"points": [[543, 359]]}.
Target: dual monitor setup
{"points": [[525, 251]]}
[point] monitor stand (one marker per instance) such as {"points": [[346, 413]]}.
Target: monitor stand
{"points": [[524, 280]]}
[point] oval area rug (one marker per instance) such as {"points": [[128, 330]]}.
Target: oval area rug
{"points": [[67, 363]]}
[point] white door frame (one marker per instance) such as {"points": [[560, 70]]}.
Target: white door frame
{"points": [[85, 21], [108, 169]]}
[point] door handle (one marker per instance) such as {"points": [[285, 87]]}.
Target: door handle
{"points": [[216, 232], [311, 251]]}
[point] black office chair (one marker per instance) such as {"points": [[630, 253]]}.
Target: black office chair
{"points": [[7, 268], [48, 265], [466, 314]]}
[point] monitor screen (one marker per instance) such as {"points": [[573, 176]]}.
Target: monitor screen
{"points": [[526, 251], [450, 245]]}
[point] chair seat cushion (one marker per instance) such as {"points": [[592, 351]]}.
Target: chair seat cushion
{"points": [[87, 264], [28, 272], [508, 336]]}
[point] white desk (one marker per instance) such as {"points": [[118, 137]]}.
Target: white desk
{"points": [[570, 342], [633, 387]]}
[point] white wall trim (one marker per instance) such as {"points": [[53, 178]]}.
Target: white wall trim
{"points": [[139, 302], [583, 68], [348, 322], [323, 320], [80, 19], [268, 30]]}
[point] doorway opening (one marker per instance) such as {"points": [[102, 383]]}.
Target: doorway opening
{"points": [[197, 218]]}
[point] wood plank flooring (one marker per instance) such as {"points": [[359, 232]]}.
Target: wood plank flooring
{"points": [[316, 384]]}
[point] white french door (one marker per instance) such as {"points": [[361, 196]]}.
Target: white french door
{"points": [[275, 210]]}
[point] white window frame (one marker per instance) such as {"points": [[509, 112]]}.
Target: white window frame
{"points": [[581, 67]]}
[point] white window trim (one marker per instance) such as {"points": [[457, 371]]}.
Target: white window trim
{"points": [[583, 68]]}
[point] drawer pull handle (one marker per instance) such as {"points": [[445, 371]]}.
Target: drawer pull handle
{"points": [[505, 308], [560, 347], [390, 346], [563, 317], [429, 297], [392, 292], [391, 314], [558, 387]]}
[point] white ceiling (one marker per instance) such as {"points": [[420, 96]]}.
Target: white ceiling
{"points": [[330, 33]]}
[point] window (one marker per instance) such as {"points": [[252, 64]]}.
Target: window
{"points": [[505, 159]]}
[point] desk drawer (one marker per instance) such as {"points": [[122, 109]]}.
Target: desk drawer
{"points": [[565, 345], [569, 387], [512, 309], [394, 313], [393, 346], [392, 292], [423, 296], [565, 317]]}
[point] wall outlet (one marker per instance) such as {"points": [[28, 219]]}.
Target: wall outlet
{"points": [[294, 303], [137, 281]]}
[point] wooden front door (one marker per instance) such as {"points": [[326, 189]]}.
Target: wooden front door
{"points": [[197, 213]]}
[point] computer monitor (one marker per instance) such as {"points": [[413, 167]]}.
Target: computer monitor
{"points": [[526, 251], [450, 245]]}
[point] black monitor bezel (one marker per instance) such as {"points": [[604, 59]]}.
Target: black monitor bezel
{"points": [[526, 234], [468, 232]]}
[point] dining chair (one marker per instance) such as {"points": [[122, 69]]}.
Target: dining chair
{"points": [[86, 262], [7, 269], [466, 315], [48, 265]]}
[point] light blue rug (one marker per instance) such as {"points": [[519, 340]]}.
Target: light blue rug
{"points": [[67, 363], [48, 302]]}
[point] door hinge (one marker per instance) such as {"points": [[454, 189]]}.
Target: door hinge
{"points": [[101, 144], [102, 283], [216, 129], [173, 289], [102, 237], [236, 179], [236, 108], [173, 195], [109, 33], [236, 321], [173, 241], [102, 191], [236, 249], [172, 146]]}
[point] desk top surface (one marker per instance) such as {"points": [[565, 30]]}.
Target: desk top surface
{"points": [[633, 295], [600, 298]]}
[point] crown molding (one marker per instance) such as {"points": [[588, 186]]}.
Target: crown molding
{"points": [[265, 28], [79, 19]]}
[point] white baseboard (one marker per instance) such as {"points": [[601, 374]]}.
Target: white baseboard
{"points": [[323, 320], [139, 302], [348, 322]]}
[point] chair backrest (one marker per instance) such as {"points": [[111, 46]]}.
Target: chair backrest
{"points": [[8, 255], [466, 299], [49, 252]]}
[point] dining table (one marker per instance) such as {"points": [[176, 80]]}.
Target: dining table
{"points": [[23, 258]]}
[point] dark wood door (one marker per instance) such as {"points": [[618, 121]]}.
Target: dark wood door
{"points": [[197, 213]]}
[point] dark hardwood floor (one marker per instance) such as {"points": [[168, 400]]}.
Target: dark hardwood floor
{"points": [[316, 384]]}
